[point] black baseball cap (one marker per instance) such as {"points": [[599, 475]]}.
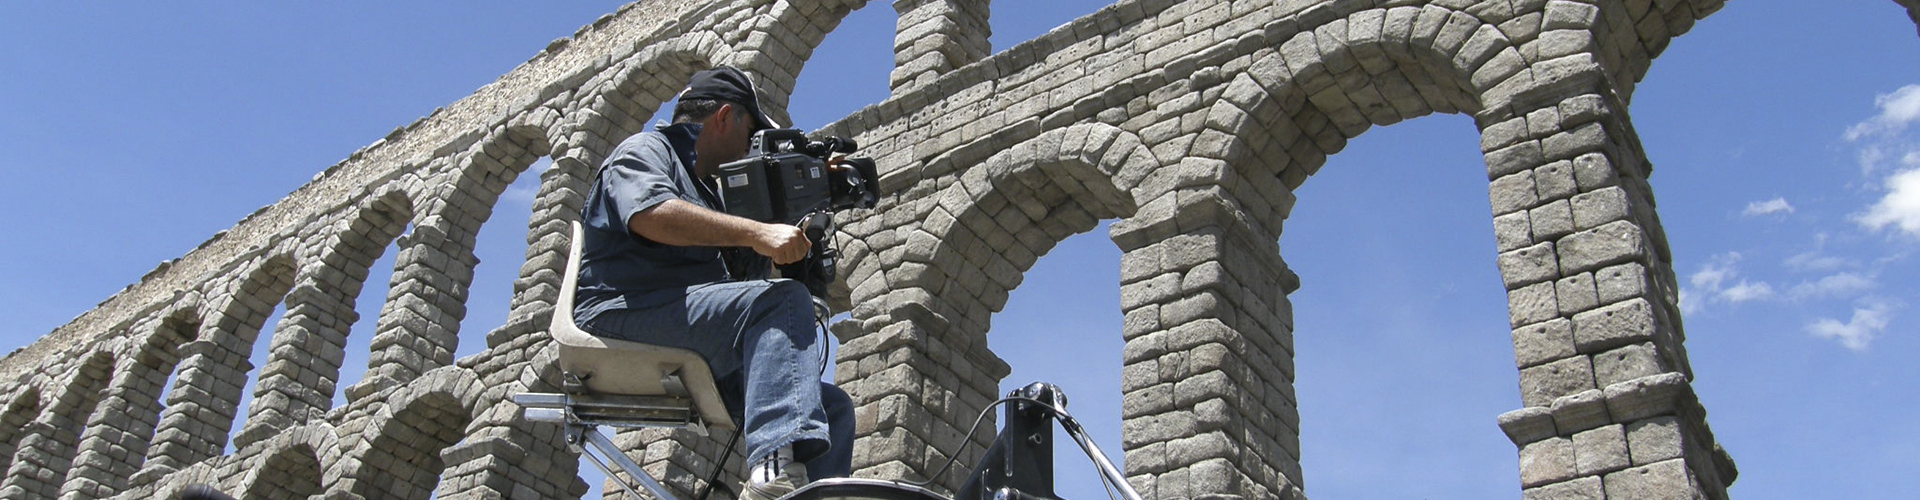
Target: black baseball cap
{"points": [[732, 85]]}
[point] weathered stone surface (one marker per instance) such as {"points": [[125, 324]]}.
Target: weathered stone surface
{"points": [[1547, 461], [1542, 342], [1600, 450], [1669, 480], [1541, 385]]}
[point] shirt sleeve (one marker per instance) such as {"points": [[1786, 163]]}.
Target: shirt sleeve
{"points": [[634, 180]]}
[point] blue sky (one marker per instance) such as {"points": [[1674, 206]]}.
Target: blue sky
{"points": [[1787, 168]]}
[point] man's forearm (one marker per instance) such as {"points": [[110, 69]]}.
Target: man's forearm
{"points": [[679, 223]]}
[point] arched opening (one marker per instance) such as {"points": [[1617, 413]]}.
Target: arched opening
{"points": [[44, 457], [848, 71], [261, 352], [164, 354], [374, 299], [1063, 326], [218, 379], [500, 249], [1403, 349], [310, 344]]}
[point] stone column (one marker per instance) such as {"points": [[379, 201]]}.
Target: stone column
{"points": [[204, 400], [1209, 404], [297, 383], [919, 382], [937, 36], [38, 464], [49, 443], [1593, 301], [501, 447], [115, 440], [419, 324]]}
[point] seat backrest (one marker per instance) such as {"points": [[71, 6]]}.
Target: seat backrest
{"points": [[625, 368]]}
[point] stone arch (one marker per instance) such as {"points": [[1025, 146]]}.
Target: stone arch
{"points": [[1570, 209], [419, 325], [22, 408], [290, 473], [1209, 325], [634, 90], [779, 43], [925, 309], [200, 409], [1301, 101], [311, 338], [113, 447], [402, 460], [293, 465], [47, 448]]}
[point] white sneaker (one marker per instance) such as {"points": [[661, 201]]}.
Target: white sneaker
{"points": [[774, 477]]}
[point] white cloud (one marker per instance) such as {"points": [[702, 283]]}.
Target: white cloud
{"points": [[1773, 206], [1858, 333], [1897, 110], [1837, 285], [1746, 291], [1717, 271], [1814, 262], [1710, 285], [1900, 207]]}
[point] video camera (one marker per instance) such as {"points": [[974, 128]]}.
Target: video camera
{"points": [[786, 178]]}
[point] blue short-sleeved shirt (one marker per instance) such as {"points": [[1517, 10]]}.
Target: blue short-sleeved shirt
{"points": [[620, 269]]}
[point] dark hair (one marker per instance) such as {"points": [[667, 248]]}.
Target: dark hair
{"points": [[693, 110]]}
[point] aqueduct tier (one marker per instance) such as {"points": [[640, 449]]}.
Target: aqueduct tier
{"points": [[1191, 123]]}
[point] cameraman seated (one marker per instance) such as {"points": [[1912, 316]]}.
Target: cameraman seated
{"points": [[664, 265]]}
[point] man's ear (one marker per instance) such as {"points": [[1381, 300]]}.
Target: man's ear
{"points": [[725, 112]]}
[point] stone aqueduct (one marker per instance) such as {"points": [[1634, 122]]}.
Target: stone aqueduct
{"points": [[1189, 122]]}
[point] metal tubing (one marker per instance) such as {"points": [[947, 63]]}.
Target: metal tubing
{"points": [[607, 448], [1099, 459], [611, 475]]}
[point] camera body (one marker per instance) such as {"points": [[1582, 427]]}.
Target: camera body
{"points": [[785, 178]]}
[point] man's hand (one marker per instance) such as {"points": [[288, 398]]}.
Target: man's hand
{"points": [[783, 243]]}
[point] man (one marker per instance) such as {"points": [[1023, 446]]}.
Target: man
{"points": [[664, 264]]}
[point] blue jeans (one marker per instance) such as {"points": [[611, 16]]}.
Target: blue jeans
{"points": [[759, 338]]}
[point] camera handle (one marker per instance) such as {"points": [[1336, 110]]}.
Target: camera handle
{"points": [[818, 269]]}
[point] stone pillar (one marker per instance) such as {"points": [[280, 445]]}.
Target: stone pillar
{"points": [[501, 447], [204, 400], [1209, 404], [419, 325], [937, 36], [38, 464], [297, 383], [1593, 301], [18, 413], [115, 440], [919, 383], [49, 443]]}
